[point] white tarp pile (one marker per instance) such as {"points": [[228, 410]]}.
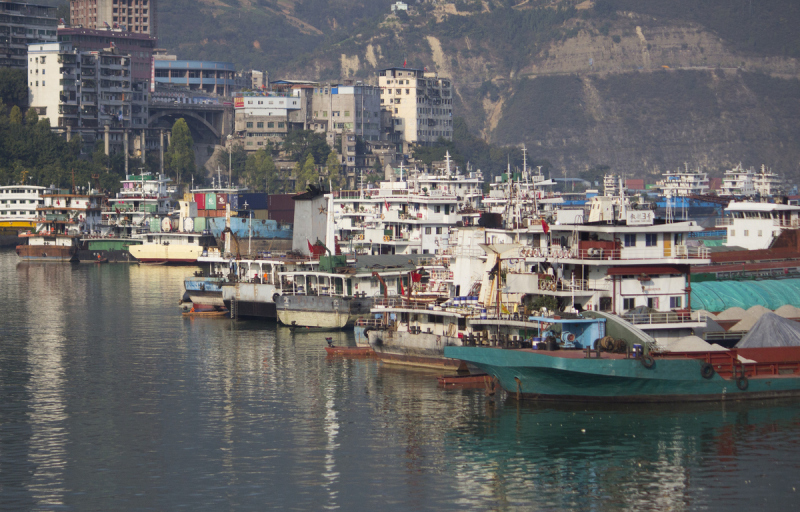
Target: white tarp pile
{"points": [[772, 331]]}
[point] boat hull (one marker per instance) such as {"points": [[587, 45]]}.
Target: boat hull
{"points": [[54, 253], [252, 299], [419, 349], [175, 253], [320, 311], [540, 375], [206, 291], [112, 256]]}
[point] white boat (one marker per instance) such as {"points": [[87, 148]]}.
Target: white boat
{"points": [[175, 248]]}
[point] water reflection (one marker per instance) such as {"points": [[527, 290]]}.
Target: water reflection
{"points": [[111, 400], [656, 457]]}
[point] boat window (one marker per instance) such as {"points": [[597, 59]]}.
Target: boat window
{"points": [[191, 239]]}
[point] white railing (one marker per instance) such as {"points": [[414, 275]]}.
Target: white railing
{"points": [[723, 222]]}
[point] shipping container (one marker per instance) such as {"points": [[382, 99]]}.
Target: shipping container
{"points": [[252, 201], [282, 216], [211, 201], [222, 200], [188, 197], [233, 199], [199, 224], [200, 199], [281, 202]]}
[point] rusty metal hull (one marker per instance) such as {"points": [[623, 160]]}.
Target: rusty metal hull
{"points": [[55, 253]]}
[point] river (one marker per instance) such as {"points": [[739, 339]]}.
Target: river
{"points": [[111, 400]]}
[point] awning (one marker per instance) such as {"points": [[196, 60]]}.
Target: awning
{"points": [[649, 269]]}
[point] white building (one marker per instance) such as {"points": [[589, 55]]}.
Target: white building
{"points": [[263, 117], [768, 184], [420, 103], [339, 109]]}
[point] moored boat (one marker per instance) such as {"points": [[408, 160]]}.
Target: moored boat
{"points": [[590, 375], [174, 248]]}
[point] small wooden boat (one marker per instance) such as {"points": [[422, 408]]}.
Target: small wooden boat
{"points": [[350, 351], [469, 381], [206, 314]]}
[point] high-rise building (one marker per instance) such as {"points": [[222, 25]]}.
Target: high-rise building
{"points": [[138, 46], [131, 15], [20, 25], [87, 93], [420, 103], [347, 108]]}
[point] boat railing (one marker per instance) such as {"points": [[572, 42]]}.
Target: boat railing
{"points": [[626, 253], [665, 317], [786, 223], [722, 222]]}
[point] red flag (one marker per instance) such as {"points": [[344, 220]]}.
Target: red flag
{"points": [[545, 227], [402, 290], [310, 247], [386, 204]]}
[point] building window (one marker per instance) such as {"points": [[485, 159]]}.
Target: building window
{"points": [[280, 125], [650, 239], [628, 304], [271, 124], [630, 240], [260, 125], [249, 124], [427, 231], [675, 302], [746, 232], [652, 302], [438, 231], [346, 113]]}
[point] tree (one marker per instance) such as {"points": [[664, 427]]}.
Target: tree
{"points": [[15, 116], [307, 174], [31, 117], [260, 171], [334, 166], [180, 155], [14, 87], [300, 143]]}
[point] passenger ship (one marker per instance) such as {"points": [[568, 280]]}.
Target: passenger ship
{"points": [[18, 205]]}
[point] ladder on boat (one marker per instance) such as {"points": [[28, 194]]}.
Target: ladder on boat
{"points": [[233, 308]]}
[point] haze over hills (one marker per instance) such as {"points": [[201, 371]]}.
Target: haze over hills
{"points": [[638, 85]]}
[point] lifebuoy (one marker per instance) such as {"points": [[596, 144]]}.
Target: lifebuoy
{"points": [[275, 297], [648, 361], [707, 371]]}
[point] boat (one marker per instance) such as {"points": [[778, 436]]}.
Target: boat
{"points": [[172, 247], [61, 219], [336, 294], [18, 214], [638, 375]]}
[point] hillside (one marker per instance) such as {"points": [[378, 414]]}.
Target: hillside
{"points": [[639, 85]]}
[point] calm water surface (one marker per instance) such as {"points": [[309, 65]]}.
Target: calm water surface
{"points": [[111, 400]]}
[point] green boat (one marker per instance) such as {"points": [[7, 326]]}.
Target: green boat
{"points": [[592, 375]]}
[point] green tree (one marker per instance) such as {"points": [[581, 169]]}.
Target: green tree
{"points": [[307, 174], [300, 143], [180, 155], [14, 87], [31, 117], [16, 115], [260, 171], [334, 167]]}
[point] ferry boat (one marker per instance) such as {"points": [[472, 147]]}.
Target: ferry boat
{"points": [[18, 214], [61, 219]]}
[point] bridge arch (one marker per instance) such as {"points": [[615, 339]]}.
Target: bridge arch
{"points": [[197, 124]]}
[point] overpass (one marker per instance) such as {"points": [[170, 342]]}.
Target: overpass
{"points": [[209, 123]]}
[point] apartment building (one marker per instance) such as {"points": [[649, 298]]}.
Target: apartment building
{"points": [[420, 104], [263, 117], [132, 15], [350, 108], [20, 25], [90, 93], [138, 46]]}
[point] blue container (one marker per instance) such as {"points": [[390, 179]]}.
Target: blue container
{"points": [[252, 201]]}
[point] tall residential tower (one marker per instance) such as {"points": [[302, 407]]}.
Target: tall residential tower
{"points": [[137, 16]]}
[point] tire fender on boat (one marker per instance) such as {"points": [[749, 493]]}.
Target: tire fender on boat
{"points": [[648, 361], [742, 383], [707, 371]]}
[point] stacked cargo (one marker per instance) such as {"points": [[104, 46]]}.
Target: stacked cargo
{"points": [[213, 204], [253, 205], [281, 208]]}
